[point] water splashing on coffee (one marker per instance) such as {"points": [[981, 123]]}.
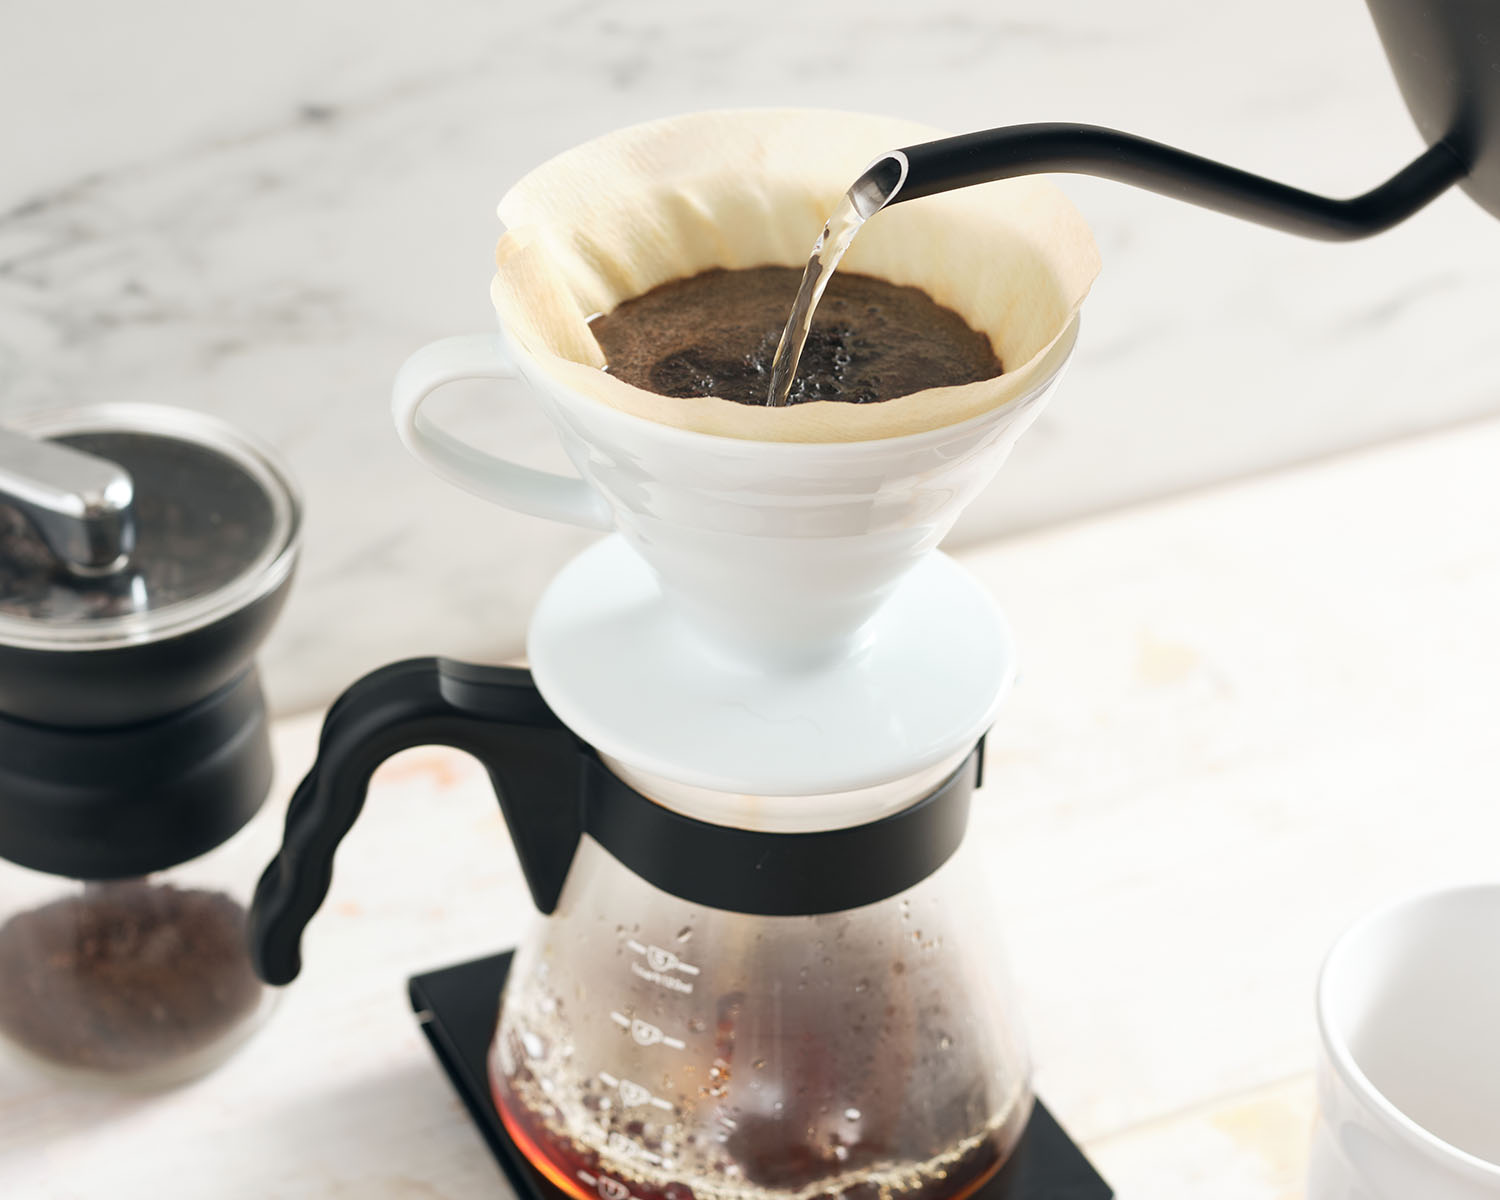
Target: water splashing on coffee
{"points": [[871, 192]]}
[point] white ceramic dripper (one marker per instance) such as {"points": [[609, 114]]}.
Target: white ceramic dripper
{"points": [[776, 621], [776, 554]]}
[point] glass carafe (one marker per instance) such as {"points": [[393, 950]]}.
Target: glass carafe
{"points": [[654, 1047], [707, 1012]]}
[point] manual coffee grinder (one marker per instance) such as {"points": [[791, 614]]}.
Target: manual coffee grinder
{"points": [[145, 553]]}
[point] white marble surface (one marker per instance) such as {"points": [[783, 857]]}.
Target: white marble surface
{"points": [[260, 209], [1244, 718]]}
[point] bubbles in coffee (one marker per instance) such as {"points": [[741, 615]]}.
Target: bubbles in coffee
{"points": [[716, 333]]}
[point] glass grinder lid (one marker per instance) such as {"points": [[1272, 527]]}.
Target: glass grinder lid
{"points": [[211, 527]]}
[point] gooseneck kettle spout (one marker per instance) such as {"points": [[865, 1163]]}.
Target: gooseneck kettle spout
{"points": [[973, 158], [1446, 58]]}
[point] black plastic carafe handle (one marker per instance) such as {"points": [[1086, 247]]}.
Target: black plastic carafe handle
{"points": [[553, 788], [496, 714]]}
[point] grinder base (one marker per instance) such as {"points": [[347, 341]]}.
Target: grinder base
{"points": [[458, 1008]]}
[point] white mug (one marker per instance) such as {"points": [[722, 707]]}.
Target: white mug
{"points": [[1409, 1074], [774, 551]]}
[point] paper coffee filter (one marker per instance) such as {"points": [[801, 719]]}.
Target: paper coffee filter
{"points": [[615, 217]]}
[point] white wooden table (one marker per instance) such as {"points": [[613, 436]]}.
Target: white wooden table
{"points": [[1244, 717]]}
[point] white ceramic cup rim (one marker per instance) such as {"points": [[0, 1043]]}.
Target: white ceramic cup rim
{"points": [[1341, 1058], [1054, 361]]}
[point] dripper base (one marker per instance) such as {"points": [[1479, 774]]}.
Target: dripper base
{"points": [[922, 683]]}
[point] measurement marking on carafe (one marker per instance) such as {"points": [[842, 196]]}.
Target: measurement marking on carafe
{"points": [[662, 968], [623, 1146], [608, 1189], [644, 1033], [632, 1094]]}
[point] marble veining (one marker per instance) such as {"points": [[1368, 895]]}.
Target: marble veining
{"points": [[261, 211]]}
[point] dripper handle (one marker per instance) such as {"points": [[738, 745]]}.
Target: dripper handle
{"points": [[488, 476], [494, 713]]}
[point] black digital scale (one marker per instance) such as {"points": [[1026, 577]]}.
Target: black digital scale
{"points": [[458, 1007]]}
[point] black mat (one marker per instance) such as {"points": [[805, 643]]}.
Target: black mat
{"points": [[458, 1007]]}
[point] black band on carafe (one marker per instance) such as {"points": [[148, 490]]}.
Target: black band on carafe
{"points": [[779, 874]]}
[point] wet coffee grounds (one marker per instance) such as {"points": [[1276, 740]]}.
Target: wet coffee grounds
{"points": [[715, 334], [124, 977]]}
